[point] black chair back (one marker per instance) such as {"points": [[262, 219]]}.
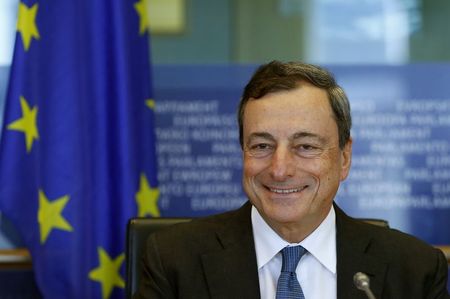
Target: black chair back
{"points": [[138, 231]]}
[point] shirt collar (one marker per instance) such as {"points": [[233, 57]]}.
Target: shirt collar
{"points": [[321, 243]]}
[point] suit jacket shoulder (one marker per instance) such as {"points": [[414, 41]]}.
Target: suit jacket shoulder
{"points": [[399, 265]]}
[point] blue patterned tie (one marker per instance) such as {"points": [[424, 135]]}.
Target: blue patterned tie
{"points": [[288, 286]]}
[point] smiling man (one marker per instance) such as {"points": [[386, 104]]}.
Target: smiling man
{"points": [[290, 240], [292, 159]]}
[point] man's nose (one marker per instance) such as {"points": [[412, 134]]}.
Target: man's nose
{"points": [[283, 164]]}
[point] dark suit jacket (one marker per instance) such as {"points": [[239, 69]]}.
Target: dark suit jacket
{"points": [[214, 257]]}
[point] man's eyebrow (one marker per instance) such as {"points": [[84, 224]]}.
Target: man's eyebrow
{"points": [[263, 135], [303, 134]]}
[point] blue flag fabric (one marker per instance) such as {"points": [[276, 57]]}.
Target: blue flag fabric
{"points": [[77, 156]]}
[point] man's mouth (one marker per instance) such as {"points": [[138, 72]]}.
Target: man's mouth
{"points": [[286, 190]]}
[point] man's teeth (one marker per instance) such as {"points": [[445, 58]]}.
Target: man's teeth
{"points": [[285, 191]]}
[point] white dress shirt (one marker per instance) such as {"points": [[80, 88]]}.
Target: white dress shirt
{"points": [[316, 271]]}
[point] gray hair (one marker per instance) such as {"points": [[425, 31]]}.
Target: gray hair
{"points": [[277, 76]]}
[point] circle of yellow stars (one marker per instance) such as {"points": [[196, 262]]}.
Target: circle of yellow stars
{"points": [[50, 211]]}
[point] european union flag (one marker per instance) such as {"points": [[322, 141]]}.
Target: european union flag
{"points": [[77, 156]]}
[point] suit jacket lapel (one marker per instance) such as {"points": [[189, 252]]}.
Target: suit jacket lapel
{"points": [[232, 272], [357, 252]]}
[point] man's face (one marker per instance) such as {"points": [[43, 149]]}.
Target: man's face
{"points": [[292, 161]]}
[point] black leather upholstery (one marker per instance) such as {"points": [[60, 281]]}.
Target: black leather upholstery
{"points": [[138, 231]]}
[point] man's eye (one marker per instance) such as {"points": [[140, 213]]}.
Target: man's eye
{"points": [[307, 150], [261, 146], [307, 147], [260, 149]]}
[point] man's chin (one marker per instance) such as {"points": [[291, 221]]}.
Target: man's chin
{"points": [[285, 213]]}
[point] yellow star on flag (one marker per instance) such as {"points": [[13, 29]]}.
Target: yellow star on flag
{"points": [[26, 124], [107, 273], [49, 215], [147, 199], [150, 103], [26, 24], [141, 8]]}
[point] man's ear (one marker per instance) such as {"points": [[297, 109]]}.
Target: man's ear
{"points": [[346, 159]]}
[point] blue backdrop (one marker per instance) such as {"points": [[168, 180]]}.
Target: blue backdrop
{"points": [[401, 162]]}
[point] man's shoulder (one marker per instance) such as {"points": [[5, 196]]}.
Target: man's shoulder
{"points": [[392, 257], [390, 243], [201, 230]]}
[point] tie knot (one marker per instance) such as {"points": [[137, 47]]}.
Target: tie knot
{"points": [[291, 257]]}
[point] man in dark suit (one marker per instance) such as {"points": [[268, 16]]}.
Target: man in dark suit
{"points": [[290, 240]]}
